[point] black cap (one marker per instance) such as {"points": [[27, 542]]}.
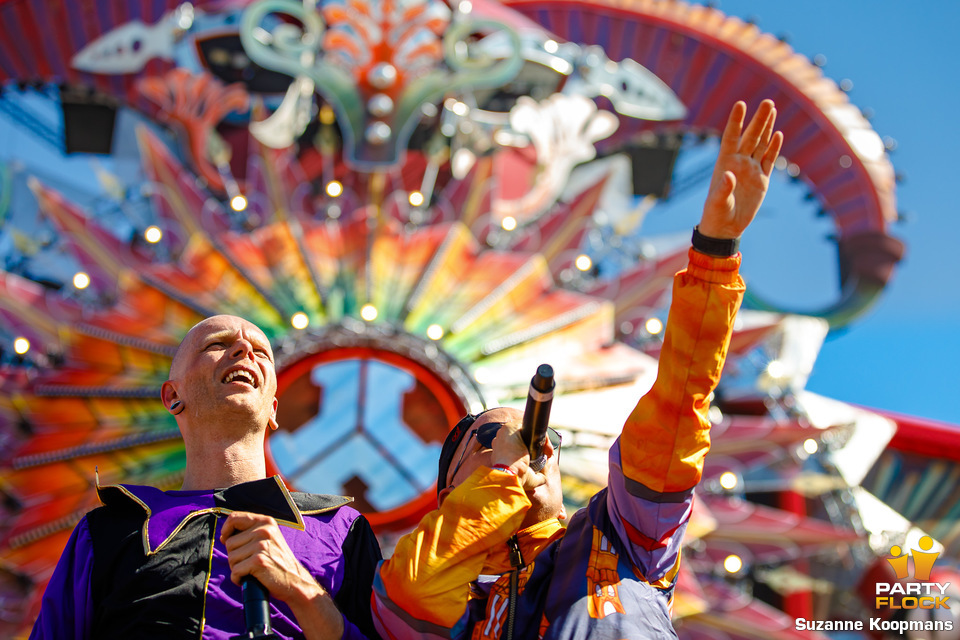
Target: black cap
{"points": [[450, 447]]}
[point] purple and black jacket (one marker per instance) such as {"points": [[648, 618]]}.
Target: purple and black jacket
{"points": [[149, 564]]}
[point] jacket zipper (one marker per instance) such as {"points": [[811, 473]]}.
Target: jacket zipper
{"points": [[516, 561]]}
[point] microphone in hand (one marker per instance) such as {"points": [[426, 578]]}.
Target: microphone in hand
{"points": [[256, 611], [536, 416]]}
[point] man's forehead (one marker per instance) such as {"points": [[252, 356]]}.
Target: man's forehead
{"points": [[226, 325], [497, 416]]}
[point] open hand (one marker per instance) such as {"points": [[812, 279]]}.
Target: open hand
{"points": [[742, 173]]}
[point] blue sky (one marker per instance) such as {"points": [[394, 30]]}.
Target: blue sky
{"points": [[904, 355]]}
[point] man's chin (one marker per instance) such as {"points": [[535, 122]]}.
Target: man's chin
{"points": [[239, 406], [538, 513]]}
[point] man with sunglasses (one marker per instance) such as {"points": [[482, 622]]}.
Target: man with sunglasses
{"points": [[494, 561]]}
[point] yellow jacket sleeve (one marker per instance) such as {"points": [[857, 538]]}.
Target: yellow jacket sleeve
{"points": [[423, 588]]}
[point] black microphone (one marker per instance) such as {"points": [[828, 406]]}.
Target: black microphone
{"points": [[256, 611], [536, 417]]}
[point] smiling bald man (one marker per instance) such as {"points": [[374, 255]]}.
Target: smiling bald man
{"points": [[168, 564]]}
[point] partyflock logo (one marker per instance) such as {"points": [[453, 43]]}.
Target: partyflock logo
{"points": [[916, 594], [919, 593]]}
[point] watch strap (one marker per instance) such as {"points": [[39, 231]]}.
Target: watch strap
{"points": [[721, 247]]}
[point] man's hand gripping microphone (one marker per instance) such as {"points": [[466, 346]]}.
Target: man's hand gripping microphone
{"points": [[536, 416]]}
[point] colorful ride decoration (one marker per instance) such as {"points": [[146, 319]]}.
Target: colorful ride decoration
{"points": [[376, 64], [710, 60], [418, 203]]}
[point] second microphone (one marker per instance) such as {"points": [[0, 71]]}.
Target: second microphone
{"points": [[536, 416]]}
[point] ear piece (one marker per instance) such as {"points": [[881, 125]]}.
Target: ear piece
{"points": [[176, 407], [443, 495]]}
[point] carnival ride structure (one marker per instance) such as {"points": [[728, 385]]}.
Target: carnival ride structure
{"points": [[420, 202]]}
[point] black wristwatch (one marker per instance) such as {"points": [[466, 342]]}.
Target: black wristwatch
{"points": [[721, 248]]}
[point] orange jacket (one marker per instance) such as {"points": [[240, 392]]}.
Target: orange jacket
{"points": [[614, 566]]}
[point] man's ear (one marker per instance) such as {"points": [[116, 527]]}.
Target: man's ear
{"points": [[443, 496], [563, 513], [273, 416], [168, 394]]}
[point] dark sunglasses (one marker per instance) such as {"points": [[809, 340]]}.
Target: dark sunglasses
{"points": [[485, 434]]}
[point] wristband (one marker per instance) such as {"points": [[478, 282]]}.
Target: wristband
{"points": [[505, 469], [723, 248]]}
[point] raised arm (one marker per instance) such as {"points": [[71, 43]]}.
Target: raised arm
{"points": [[658, 460]]}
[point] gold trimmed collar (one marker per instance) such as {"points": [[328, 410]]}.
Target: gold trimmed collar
{"points": [[168, 511]]}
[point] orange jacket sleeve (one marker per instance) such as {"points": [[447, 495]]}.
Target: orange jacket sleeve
{"points": [[423, 588]]}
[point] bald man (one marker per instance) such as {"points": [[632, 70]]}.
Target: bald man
{"points": [[168, 564]]}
